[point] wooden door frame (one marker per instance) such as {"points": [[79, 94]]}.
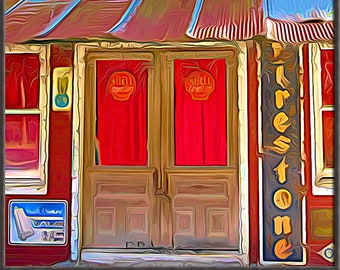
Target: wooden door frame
{"points": [[171, 172], [91, 170], [316, 198], [81, 51]]}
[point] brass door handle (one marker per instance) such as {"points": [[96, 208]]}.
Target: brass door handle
{"points": [[160, 180]]}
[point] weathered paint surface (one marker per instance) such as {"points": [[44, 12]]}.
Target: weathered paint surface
{"points": [[59, 182], [290, 213], [282, 210]]}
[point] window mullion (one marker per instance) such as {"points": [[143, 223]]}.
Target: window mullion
{"points": [[22, 111]]}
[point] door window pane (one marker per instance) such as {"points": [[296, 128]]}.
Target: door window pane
{"points": [[122, 112], [200, 112]]}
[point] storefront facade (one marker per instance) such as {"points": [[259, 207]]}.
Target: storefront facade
{"points": [[196, 149]]}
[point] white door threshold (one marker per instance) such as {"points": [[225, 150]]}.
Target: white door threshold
{"points": [[152, 258]]}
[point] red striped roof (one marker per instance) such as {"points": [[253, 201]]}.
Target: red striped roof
{"points": [[29, 19], [228, 20], [294, 32], [89, 19], [158, 20], [152, 20]]}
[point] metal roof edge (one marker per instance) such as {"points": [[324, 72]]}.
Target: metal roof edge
{"points": [[17, 4], [56, 22], [126, 17]]}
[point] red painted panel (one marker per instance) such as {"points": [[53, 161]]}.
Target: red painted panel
{"points": [[22, 142], [253, 87], [59, 180], [328, 138], [312, 201], [327, 76], [22, 81], [122, 112], [200, 112]]}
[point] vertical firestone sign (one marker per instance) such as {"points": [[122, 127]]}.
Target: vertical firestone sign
{"points": [[281, 180]]}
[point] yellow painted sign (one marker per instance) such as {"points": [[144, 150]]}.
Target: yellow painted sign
{"points": [[282, 199], [282, 236], [280, 97], [282, 249], [282, 225], [281, 171], [280, 122]]}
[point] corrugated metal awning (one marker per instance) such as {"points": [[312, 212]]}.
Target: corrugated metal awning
{"points": [[292, 21], [27, 20], [137, 20], [293, 32], [227, 20], [154, 20]]}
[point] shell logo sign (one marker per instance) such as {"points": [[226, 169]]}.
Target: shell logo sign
{"points": [[199, 84], [121, 85]]}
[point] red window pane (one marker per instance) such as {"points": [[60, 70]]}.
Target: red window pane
{"points": [[122, 112], [327, 76], [22, 81], [22, 142], [328, 138], [200, 112]]}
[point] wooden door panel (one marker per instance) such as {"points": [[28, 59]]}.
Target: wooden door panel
{"points": [[119, 153], [204, 210], [121, 203], [181, 208]]}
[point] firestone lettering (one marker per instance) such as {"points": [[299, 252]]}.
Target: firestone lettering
{"points": [[281, 78], [279, 122], [282, 144], [282, 225], [281, 249], [281, 171], [280, 97], [282, 198]]}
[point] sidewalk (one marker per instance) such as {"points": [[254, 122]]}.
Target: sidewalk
{"points": [[130, 261]]}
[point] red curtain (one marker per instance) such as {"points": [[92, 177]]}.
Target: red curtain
{"points": [[22, 81], [200, 125], [328, 138], [327, 77], [122, 124], [22, 92], [22, 142]]}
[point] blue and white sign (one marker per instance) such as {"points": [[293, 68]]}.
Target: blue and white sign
{"points": [[37, 222]]}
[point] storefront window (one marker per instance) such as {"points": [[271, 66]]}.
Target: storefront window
{"points": [[327, 109], [25, 120], [322, 107]]}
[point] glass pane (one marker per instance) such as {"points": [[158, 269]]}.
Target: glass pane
{"points": [[327, 76], [122, 112], [22, 81], [328, 138], [22, 142], [200, 112]]}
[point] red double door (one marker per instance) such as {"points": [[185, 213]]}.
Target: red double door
{"points": [[160, 152]]}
